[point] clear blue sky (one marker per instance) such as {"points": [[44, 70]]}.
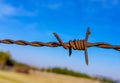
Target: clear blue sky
{"points": [[35, 20]]}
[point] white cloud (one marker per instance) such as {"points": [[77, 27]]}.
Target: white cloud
{"points": [[51, 6], [115, 2], [6, 10], [9, 10], [107, 3]]}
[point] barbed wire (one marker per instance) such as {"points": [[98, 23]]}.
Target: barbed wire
{"points": [[72, 44]]}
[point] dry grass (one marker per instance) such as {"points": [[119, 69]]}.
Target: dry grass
{"points": [[40, 77]]}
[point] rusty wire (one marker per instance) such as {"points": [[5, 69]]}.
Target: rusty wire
{"points": [[75, 44]]}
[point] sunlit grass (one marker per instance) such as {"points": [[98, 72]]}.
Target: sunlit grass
{"points": [[40, 77]]}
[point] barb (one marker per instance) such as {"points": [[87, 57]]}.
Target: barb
{"points": [[72, 44]]}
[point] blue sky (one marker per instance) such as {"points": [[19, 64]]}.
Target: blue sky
{"points": [[36, 20]]}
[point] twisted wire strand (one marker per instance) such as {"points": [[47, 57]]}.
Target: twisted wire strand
{"points": [[36, 44], [104, 45], [72, 44], [57, 44]]}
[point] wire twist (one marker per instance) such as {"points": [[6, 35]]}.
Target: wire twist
{"points": [[72, 44], [76, 44]]}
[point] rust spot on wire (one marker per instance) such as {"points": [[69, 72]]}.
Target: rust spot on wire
{"points": [[72, 44]]}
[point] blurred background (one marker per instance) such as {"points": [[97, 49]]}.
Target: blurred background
{"points": [[36, 20]]}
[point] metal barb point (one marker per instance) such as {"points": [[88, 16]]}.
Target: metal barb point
{"points": [[70, 51], [87, 34], [58, 38], [85, 51], [60, 41]]}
